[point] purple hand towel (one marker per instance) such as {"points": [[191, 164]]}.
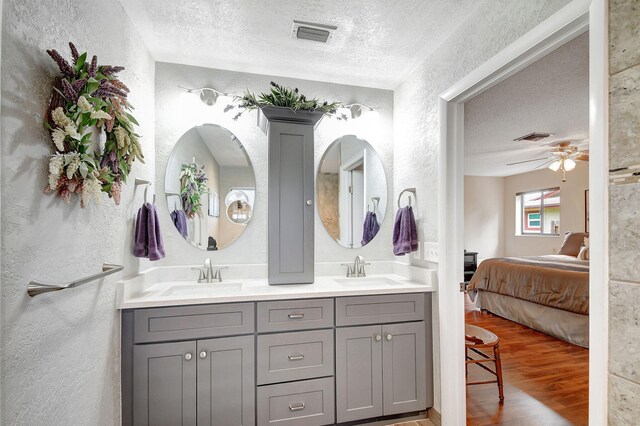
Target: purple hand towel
{"points": [[155, 245], [140, 248], [370, 228], [405, 232], [180, 222]]}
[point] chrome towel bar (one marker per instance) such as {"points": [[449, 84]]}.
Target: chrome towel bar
{"points": [[37, 287]]}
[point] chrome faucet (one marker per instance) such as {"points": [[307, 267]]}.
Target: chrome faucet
{"points": [[357, 269], [207, 274]]}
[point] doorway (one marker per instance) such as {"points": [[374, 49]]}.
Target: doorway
{"points": [[569, 22]]}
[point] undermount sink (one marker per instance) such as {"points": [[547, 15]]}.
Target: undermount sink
{"points": [[203, 289], [369, 282]]}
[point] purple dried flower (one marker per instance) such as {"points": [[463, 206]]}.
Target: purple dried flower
{"points": [[74, 52], [65, 67], [110, 161], [68, 90], [93, 68], [78, 85], [110, 70]]}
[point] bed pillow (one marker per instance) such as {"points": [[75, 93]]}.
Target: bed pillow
{"points": [[584, 253], [573, 242]]}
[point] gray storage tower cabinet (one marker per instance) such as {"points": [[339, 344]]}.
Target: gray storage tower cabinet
{"points": [[291, 193]]}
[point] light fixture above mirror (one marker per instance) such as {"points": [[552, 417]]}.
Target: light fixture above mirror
{"points": [[208, 95]]}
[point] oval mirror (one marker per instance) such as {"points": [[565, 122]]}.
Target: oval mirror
{"points": [[351, 191], [210, 187]]}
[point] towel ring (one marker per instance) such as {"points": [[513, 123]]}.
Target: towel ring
{"points": [[376, 203], [412, 190], [147, 184]]}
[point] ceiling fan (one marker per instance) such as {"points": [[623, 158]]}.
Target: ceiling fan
{"points": [[562, 157]]}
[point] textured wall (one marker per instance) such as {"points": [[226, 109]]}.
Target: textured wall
{"points": [[60, 352], [416, 115], [624, 213], [178, 111], [484, 216]]}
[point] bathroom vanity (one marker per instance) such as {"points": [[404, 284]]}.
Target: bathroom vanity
{"points": [[340, 350]]}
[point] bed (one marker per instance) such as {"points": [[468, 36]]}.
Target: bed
{"points": [[547, 293]]}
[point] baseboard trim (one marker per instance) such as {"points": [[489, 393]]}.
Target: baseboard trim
{"points": [[434, 416]]}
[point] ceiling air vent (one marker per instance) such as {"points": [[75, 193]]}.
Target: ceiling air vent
{"points": [[532, 137], [314, 32]]}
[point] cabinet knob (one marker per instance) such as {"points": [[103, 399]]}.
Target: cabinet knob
{"points": [[388, 337], [203, 354], [309, 202], [187, 356], [378, 337]]}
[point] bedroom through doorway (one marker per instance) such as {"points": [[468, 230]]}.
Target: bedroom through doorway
{"points": [[526, 260]]}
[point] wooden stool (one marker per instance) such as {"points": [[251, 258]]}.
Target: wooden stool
{"points": [[476, 338]]}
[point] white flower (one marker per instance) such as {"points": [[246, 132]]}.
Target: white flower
{"points": [[91, 188], [58, 136], [84, 104], [73, 161], [100, 115], [72, 131], [60, 118], [56, 166], [122, 137]]}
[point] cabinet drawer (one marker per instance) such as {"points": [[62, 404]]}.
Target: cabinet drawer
{"points": [[380, 309], [294, 356], [289, 315], [193, 322], [306, 403]]}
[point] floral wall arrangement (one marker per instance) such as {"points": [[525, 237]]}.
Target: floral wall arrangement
{"points": [[91, 128], [193, 184]]}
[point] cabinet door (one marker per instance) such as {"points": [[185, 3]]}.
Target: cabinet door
{"points": [[226, 381], [358, 373], [291, 185], [404, 367], [164, 384]]}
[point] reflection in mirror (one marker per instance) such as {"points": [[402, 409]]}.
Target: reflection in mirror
{"points": [[207, 165], [352, 191]]}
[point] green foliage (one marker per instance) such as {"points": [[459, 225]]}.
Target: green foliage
{"points": [[285, 97]]}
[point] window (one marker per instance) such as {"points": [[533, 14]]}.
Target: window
{"points": [[538, 212]]}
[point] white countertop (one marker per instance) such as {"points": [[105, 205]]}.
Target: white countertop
{"points": [[157, 287]]}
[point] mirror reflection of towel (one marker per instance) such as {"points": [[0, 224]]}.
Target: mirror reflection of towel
{"points": [[180, 222], [370, 228], [405, 232]]}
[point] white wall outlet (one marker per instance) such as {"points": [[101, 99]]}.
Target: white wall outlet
{"points": [[430, 252]]}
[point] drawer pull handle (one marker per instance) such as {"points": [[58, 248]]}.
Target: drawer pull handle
{"points": [[296, 357], [296, 407], [295, 316]]}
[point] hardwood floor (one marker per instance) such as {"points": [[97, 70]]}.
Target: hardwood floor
{"points": [[546, 380]]}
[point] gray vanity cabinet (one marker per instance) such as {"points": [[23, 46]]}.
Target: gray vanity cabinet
{"points": [[291, 195], [164, 384], [214, 375], [226, 383], [404, 369], [358, 373]]}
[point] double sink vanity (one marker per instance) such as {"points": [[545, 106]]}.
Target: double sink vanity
{"points": [[293, 342], [242, 352]]}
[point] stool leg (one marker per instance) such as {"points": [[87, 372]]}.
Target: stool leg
{"points": [[496, 355], [466, 366]]}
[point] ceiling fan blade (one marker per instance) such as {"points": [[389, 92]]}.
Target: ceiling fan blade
{"points": [[582, 157], [527, 161], [545, 163]]}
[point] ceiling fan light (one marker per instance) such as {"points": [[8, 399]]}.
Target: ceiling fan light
{"points": [[555, 166], [569, 164]]}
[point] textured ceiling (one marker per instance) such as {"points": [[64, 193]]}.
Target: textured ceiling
{"points": [[550, 95], [377, 43]]}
